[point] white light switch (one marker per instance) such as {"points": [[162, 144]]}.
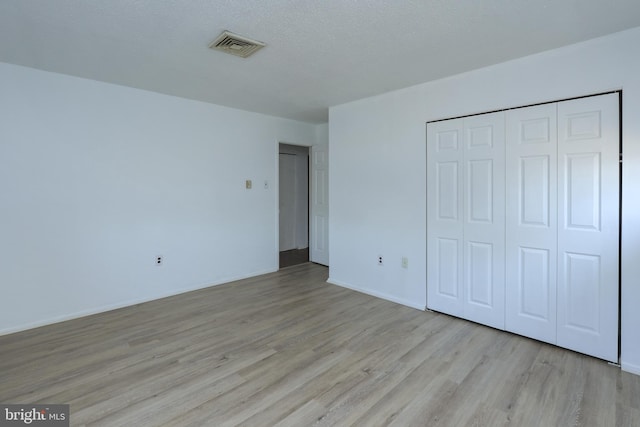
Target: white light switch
{"points": [[247, 184]]}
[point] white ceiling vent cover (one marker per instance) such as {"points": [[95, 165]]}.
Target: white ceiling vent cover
{"points": [[236, 45]]}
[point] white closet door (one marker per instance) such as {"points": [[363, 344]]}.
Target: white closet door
{"points": [[444, 216], [483, 228], [465, 218], [528, 240], [588, 229], [531, 222]]}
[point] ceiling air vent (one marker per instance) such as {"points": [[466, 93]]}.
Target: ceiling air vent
{"points": [[236, 45]]}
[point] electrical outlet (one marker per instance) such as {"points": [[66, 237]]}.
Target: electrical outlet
{"points": [[159, 260], [380, 260], [405, 262]]}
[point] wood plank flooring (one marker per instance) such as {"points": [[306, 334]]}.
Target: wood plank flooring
{"points": [[288, 349]]}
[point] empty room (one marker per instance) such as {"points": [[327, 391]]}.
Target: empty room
{"points": [[315, 213]]}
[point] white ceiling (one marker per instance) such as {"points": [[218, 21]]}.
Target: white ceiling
{"points": [[319, 52]]}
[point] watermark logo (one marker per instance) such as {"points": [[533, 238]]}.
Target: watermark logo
{"points": [[39, 415]]}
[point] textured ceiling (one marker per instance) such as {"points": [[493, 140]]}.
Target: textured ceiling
{"points": [[318, 54]]}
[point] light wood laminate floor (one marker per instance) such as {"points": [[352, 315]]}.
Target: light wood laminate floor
{"points": [[288, 349]]}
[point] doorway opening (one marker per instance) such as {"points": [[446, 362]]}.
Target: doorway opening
{"points": [[293, 204]]}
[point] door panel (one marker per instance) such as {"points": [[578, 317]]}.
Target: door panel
{"points": [[444, 217], [480, 193], [319, 233], [484, 218], [582, 191], [447, 261], [581, 281], [531, 224], [447, 188], [533, 191], [588, 232], [534, 285], [480, 274]]}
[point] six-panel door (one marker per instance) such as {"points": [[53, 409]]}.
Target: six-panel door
{"points": [[588, 225], [531, 224], [466, 218], [444, 216], [523, 221], [483, 219]]}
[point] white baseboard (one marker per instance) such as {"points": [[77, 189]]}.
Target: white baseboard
{"points": [[109, 307], [631, 368], [377, 294]]}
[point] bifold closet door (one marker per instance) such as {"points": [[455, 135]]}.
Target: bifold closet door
{"points": [[588, 225], [465, 218], [444, 216], [531, 221], [523, 221], [562, 224], [483, 219]]}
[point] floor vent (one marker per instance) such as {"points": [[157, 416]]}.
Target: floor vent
{"points": [[236, 45]]}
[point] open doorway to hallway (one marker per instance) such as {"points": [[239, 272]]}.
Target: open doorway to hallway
{"points": [[293, 204]]}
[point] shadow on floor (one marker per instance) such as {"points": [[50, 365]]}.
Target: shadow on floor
{"points": [[294, 257]]}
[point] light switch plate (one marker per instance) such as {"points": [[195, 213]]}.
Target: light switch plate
{"points": [[247, 184]]}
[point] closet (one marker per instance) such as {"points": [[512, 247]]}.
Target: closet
{"points": [[523, 211]]}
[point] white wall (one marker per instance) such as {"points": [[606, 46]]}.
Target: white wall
{"points": [[98, 179], [378, 166], [322, 134]]}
